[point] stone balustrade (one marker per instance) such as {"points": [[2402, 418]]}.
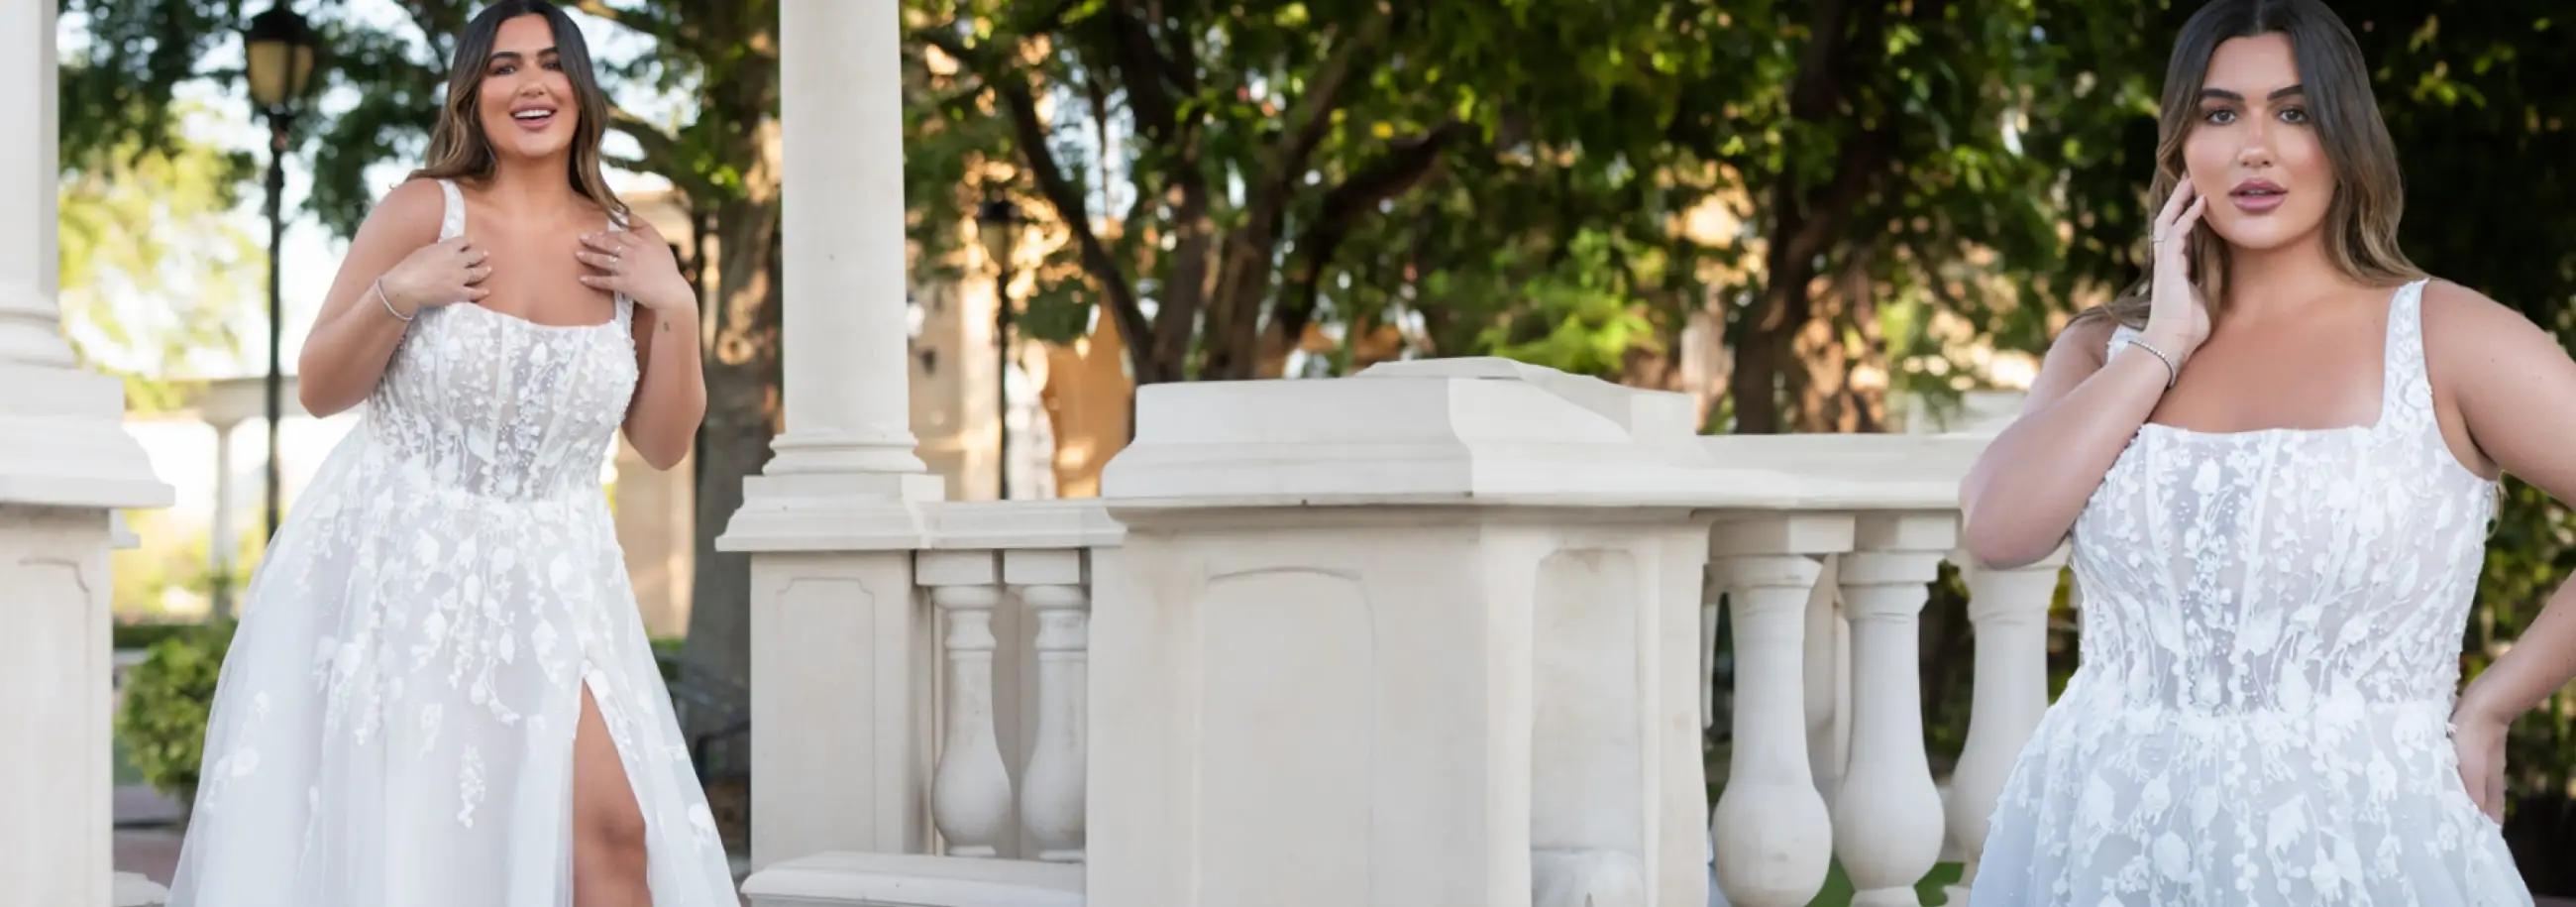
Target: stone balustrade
{"points": [[1442, 632], [1828, 753]]}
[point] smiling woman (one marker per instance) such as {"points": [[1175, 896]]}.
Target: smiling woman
{"points": [[443, 693]]}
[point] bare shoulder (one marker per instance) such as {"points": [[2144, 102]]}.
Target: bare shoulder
{"points": [[2505, 383], [407, 217], [2466, 333], [2454, 315]]}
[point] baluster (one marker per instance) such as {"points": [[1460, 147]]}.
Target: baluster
{"points": [[1712, 593], [2009, 609], [1051, 790], [1887, 813], [971, 794], [1770, 828], [1828, 679]]}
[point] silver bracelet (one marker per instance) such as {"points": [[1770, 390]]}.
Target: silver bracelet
{"points": [[2172, 374], [388, 301]]}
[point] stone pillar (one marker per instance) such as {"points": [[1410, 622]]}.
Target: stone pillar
{"points": [[66, 468], [842, 229], [841, 734], [1421, 636]]}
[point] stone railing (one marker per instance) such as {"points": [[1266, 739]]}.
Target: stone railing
{"points": [[1012, 704], [1828, 752], [920, 707], [1440, 633]]}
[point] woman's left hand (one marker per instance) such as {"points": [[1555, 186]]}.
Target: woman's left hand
{"points": [[629, 262], [2479, 740]]}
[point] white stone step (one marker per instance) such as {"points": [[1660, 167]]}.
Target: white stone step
{"points": [[846, 879]]}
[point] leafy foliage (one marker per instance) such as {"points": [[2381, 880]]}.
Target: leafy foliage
{"points": [[167, 700], [152, 270], [1231, 173]]}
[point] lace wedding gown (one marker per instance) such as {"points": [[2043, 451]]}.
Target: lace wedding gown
{"points": [[2272, 625], [394, 724]]}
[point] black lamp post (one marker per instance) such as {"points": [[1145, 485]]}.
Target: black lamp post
{"points": [[278, 58], [998, 224]]}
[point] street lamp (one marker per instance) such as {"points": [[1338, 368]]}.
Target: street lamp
{"points": [[278, 56], [998, 225]]}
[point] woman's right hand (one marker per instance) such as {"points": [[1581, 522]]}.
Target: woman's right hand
{"points": [[2178, 318], [444, 272]]}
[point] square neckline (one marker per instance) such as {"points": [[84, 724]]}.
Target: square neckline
{"points": [[452, 224], [2388, 339]]}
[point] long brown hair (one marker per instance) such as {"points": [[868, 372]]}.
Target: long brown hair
{"points": [[2361, 221], [459, 149]]}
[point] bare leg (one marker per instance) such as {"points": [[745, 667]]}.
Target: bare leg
{"points": [[607, 829]]}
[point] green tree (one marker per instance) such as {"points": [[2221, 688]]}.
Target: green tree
{"points": [[1232, 172], [1507, 177], [152, 267]]}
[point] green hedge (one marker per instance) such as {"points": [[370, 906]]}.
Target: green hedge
{"points": [[163, 723], [144, 635]]}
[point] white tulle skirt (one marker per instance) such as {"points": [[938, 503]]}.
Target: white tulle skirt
{"points": [[2346, 802], [394, 724]]}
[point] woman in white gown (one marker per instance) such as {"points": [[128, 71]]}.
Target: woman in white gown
{"points": [[441, 693], [2277, 458]]}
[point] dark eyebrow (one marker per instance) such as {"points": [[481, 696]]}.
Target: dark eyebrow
{"points": [[500, 55], [2226, 95]]}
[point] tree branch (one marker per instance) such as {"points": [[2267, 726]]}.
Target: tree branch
{"points": [[1856, 173], [660, 153], [1312, 113], [628, 164], [439, 24], [1411, 160], [657, 145], [675, 28], [1148, 73], [1054, 19], [598, 9], [1020, 106], [944, 37]]}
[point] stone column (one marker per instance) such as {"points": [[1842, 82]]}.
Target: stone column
{"points": [[67, 467], [841, 738], [842, 226]]}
